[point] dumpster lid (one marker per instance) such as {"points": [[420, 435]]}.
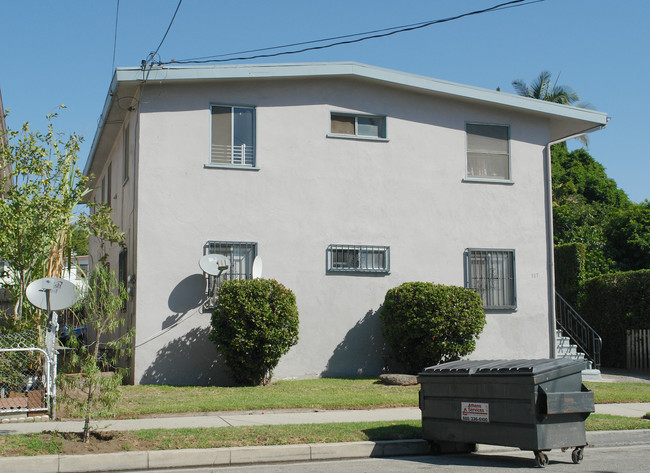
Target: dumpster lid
{"points": [[504, 367]]}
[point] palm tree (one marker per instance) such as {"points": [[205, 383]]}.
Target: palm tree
{"points": [[541, 89]]}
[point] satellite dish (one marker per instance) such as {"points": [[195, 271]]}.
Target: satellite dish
{"points": [[62, 293], [257, 267], [213, 264]]}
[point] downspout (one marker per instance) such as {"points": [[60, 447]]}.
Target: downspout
{"points": [[550, 244]]}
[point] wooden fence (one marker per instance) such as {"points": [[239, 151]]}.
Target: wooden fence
{"points": [[638, 350]]}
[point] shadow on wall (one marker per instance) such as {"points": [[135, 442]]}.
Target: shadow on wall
{"points": [[362, 352], [190, 360], [187, 295]]}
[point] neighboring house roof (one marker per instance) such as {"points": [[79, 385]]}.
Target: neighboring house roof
{"points": [[565, 121]]}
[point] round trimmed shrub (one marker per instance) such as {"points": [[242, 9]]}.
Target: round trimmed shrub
{"points": [[425, 323], [254, 323]]}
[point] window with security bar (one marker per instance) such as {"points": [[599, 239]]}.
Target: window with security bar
{"points": [[488, 152], [358, 259], [239, 256], [233, 136], [491, 273]]}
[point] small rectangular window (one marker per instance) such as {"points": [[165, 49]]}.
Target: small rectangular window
{"points": [[358, 259], [492, 274], [126, 156], [108, 184], [488, 151], [358, 125], [122, 272], [103, 190], [239, 255], [233, 136]]}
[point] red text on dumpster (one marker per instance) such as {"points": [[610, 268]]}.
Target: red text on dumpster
{"points": [[475, 411]]}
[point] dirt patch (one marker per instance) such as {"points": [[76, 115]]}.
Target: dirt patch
{"points": [[100, 442]]}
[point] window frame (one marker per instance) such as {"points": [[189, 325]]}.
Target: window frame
{"points": [[485, 179], [383, 129], [231, 165], [216, 247], [109, 179], [494, 253], [126, 152], [359, 252], [122, 272]]}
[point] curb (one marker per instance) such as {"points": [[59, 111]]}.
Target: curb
{"points": [[234, 456]]}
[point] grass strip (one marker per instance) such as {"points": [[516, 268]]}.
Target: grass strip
{"points": [[172, 439], [607, 393], [608, 422], [324, 393]]}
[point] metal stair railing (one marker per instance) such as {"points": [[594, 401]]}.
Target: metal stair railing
{"points": [[578, 330]]}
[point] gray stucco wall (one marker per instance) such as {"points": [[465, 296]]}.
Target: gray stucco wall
{"points": [[312, 191]]}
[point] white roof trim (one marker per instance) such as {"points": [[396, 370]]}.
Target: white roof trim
{"points": [[295, 70]]}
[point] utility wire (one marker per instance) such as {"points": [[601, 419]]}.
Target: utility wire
{"points": [[383, 33], [168, 28], [117, 14]]}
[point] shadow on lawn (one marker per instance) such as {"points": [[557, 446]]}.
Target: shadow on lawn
{"points": [[394, 432]]}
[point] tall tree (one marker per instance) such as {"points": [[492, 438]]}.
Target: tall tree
{"points": [[37, 211], [542, 89]]}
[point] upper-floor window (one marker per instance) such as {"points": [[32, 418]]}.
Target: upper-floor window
{"points": [[126, 153], [233, 135], [492, 274], [363, 126], [109, 174], [488, 152], [358, 259]]}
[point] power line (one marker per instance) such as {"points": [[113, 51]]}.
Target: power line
{"points": [[153, 55], [383, 33], [117, 14]]}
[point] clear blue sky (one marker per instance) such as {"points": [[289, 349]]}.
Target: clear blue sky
{"points": [[57, 52]]}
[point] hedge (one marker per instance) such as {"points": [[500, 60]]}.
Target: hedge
{"points": [[426, 323], [614, 303], [254, 323], [569, 270]]}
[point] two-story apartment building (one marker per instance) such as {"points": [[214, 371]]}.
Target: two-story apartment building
{"points": [[347, 180]]}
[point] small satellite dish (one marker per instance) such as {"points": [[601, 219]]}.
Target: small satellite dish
{"points": [[213, 264], [257, 267], [62, 293]]}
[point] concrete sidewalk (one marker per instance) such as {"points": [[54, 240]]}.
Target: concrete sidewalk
{"points": [[278, 417]]}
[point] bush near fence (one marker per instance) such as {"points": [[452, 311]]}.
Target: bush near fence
{"points": [[614, 303], [569, 270]]}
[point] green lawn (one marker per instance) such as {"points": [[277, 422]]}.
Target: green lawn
{"points": [[606, 393], [324, 393]]}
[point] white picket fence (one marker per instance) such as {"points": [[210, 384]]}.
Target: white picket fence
{"points": [[638, 350]]}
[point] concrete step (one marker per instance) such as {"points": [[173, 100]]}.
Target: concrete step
{"points": [[591, 375], [566, 351], [576, 356]]}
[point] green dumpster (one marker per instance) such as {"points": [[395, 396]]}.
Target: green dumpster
{"points": [[534, 405]]}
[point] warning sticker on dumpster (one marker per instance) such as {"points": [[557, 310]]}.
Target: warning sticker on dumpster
{"points": [[475, 411]]}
